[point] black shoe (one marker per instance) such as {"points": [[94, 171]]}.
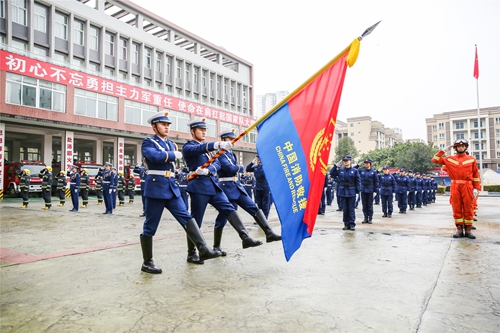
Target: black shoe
{"points": [[473, 227], [389, 216], [365, 220], [345, 228], [403, 212], [339, 210], [352, 229], [142, 215], [385, 215], [370, 220], [321, 213], [475, 220], [193, 258], [221, 251]]}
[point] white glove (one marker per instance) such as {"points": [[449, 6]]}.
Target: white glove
{"points": [[254, 161], [339, 164], [374, 194], [360, 164], [226, 145], [110, 191], [201, 172], [448, 148], [177, 154], [475, 193], [76, 191], [114, 190]]}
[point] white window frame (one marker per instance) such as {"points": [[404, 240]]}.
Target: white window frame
{"points": [[123, 49], [441, 136], [61, 26], [159, 57], [441, 125], [135, 53], [20, 12], [138, 113], [95, 105], [109, 41], [94, 38], [40, 18], [147, 58], [79, 33]]}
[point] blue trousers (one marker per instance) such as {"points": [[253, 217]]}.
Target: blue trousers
{"points": [[244, 202], [387, 204], [402, 199], [412, 199], [367, 202], [349, 216], [154, 210], [74, 196], [262, 199], [199, 204], [107, 198], [419, 198]]}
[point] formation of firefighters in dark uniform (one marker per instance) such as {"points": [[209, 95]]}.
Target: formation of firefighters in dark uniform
{"points": [[225, 185]]}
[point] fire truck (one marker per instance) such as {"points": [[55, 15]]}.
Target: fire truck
{"points": [[93, 169], [129, 169], [12, 172]]}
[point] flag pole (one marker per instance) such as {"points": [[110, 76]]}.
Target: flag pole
{"points": [[476, 72], [293, 93]]}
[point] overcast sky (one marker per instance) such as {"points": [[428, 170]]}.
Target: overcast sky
{"points": [[418, 62]]}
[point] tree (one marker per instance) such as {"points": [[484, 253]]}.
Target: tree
{"points": [[345, 147], [416, 156]]}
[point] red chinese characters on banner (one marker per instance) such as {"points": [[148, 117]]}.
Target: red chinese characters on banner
{"points": [[69, 152], [19, 64]]}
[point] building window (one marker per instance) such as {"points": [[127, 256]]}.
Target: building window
{"points": [[352, 133], [441, 146], [352, 124], [168, 64], [498, 143], [94, 38], [159, 56], [497, 120], [2, 9], [498, 154], [147, 58], [91, 104], [178, 69], [40, 16], [179, 120], [138, 113], [441, 126], [475, 123], [63, 58], [195, 75], [434, 138], [61, 26], [460, 136], [459, 125], [434, 128], [441, 136], [123, 49], [109, 39], [135, 53], [211, 127], [94, 67], [250, 137], [78, 33], [188, 72], [27, 91], [19, 10], [497, 131]]}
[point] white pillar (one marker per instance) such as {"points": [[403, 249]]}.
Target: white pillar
{"points": [[47, 149]]}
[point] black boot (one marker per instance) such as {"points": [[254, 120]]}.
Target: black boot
{"points": [[192, 256], [148, 265], [460, 231], [247, 241], [194, 234], [468, 232], [365, 220], [385, 215], [217, 239], [261, 220]]}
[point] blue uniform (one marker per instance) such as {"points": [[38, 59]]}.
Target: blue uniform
{"points": [[248, 182], [349, 185], [402, 192], [229, 182], [387, 188], [181, 179], [204, 190], [142, 172], [262, 192], [107, 179], [419, 186], [369, 185], [425, 191], [322, 202], [412, 187], [160, 187], [74, 187], [329, 190], [114, 187]]}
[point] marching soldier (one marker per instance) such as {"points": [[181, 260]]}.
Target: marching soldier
{"points": [[74, 187], [204, 189], [162, 192], [120, 187], [24, 185], [412, 187], [47, 180], [131, 188], [419, 186], [229, 183], [248, 182], [61, 187], [84, 187], [98, 188]]}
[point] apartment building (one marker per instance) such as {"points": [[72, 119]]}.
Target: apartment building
{"points": [[483, 132], [80, 78], [267, 101]]}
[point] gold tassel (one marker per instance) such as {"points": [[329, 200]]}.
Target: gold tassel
{"points": [[353, 52]]}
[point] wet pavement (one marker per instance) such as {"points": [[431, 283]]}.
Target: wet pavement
{"points": [[80, 272]]}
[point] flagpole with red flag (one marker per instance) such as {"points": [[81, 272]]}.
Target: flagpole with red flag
{"points": [[476, 76]]}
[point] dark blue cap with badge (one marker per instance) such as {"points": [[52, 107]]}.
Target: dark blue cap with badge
{"points": [[160, 117], [228, 134], [108, 164], [368, 160], [347, 158], [198, 122], [386, 167], [402, 170]]}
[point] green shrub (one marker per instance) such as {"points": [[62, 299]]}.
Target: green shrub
{"points": [[441, 189], [492, 188]]}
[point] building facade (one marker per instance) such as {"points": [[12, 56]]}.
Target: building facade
{"points": [[366, 133], [80, 78], [483, 134], [266, 102]]}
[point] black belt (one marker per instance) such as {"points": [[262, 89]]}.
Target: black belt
{"points": [[367, 183], [260, 181]]}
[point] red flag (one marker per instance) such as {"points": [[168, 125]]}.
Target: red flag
{"points": [[476, 66]]}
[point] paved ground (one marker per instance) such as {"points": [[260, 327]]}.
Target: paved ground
{"points": [[80, 272]]}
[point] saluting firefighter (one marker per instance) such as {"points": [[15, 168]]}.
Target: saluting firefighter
{"points": [[349, 187], [47, 180], [61, 187], [230, 183], [114, 186], [120, 187], [24, 185], [84, 187], [74, 187], [163, 192], [131, 188], [107, 178], [204, 189]]}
